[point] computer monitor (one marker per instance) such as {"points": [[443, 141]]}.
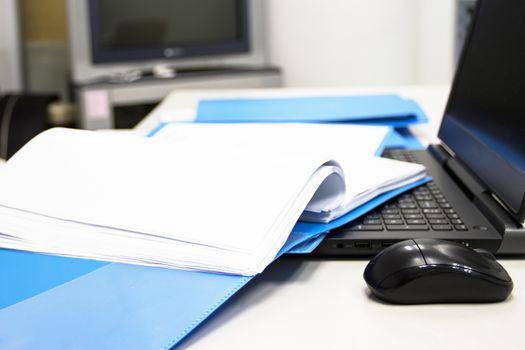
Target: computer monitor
{"points": [[137, 30], [484, 122], [109, 37]]}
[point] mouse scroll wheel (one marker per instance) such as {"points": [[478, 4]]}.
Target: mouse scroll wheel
{"points": [[485, 253]]}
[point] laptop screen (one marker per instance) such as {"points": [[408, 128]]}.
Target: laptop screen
{"points": [[484, 122]]}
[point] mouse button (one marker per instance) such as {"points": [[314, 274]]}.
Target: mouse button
{"points": [[457, 255], [393, 259], [485, 253], [402, 278]]}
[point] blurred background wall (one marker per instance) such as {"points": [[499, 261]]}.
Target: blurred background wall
{"points": [[356, 42]]}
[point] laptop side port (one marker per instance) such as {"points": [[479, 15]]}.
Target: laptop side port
{"points": [[363, 245]]}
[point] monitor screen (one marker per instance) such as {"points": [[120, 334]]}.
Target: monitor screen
{"points": [[131, 30], [484, 122]]}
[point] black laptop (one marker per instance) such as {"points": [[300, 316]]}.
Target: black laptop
{"points": [[477, 196]]}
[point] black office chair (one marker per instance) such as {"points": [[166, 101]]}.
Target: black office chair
{"points": [[21, 118]]}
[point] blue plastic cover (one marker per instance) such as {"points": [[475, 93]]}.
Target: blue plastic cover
{"points": [[364, 109]]}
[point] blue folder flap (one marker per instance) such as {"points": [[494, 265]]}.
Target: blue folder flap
{"points": [[117, 307], [309, 245], [368, 109], [392, 140], [407, 140], [25, 274], [400, 138]]}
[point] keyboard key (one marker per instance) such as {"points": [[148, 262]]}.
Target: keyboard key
{"points": [[461, 227], [453, 216], [442, 227], [435, 216], [372, 217], [456, 221], [406, 200], [394, 222], [431, 211], [422, 193], [416, 222], [366, 228], [410, 211], [428, 205], [445, 205], [391, 216], [449, 211], [372, 222], [408, 206], [438, 221], [407, 227], [413, 216], [390, 211]]}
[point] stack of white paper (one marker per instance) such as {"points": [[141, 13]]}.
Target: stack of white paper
{"points": [[211, 198]]}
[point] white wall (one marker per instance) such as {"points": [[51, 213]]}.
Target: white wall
{"points": [[436, 42], [361, 42], [10, 58]]}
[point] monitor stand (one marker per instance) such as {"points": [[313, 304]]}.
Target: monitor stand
{"points": [[97, 100]]}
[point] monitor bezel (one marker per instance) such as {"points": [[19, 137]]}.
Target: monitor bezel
{"points": [[102, 55], [455, 137]]}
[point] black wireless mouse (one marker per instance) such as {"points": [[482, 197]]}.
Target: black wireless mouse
{"points": [[422, 271]]}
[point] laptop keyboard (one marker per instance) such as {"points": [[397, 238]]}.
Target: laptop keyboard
{"points": [[423, 209]]}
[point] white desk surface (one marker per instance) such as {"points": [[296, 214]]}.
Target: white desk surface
{"points": [[304, 303]]}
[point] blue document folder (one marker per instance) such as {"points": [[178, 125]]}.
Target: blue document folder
{"points": [[363, 109], [400, 138], [119, 306], [51, 302]]}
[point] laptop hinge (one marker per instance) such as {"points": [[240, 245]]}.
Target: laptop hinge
{"points": [[457, 171], [469, 181], [513, 232], [439, 153], [513, 242]]}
